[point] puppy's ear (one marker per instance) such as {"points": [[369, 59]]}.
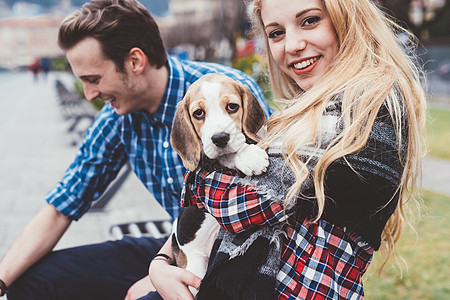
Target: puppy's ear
{"points": [[183, 137], [253, 115]]}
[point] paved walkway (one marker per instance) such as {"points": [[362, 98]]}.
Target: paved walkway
{"points": [[436, 175], [34, 153], [36, 149]]}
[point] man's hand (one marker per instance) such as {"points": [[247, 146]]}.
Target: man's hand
{"points": [[172, 282], [37, 239], [140, 288]]}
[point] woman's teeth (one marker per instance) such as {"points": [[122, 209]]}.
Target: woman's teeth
{"points": [[305, 63]]}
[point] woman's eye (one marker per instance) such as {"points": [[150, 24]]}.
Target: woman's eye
{"points": [[199, 114], [311, 20], [276, 33], [232, 108]]}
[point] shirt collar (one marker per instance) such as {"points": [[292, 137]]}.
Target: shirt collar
{"points": [[175, 90]]}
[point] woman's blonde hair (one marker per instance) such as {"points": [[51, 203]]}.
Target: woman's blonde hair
{"points": [[371, 69]]}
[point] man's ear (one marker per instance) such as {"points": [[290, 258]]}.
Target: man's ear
{"points": [[137, 60]]}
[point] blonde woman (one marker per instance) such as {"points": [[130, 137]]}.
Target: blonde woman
{"points": [[345, 153]]}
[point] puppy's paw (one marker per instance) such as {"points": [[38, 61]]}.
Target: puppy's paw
{"points": [[252, 160]]}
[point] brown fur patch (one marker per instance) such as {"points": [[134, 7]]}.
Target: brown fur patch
{"points": [[178, 255]]}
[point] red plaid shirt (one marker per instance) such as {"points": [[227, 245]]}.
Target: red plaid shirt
{"points": [[319, 260]]}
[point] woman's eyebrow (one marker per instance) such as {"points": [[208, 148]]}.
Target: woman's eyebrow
{"points": [[298, 15], [301, 13]]}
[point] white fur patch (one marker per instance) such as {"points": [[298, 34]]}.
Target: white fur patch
{"points": [[197, 251], [211, 91], [218, 121]]}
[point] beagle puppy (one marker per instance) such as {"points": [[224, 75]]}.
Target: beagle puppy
{"points": [[216, 118]]}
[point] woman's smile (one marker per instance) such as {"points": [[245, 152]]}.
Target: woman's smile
{"points": [[305, 66]]}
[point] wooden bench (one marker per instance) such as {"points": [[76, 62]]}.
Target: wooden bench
{"points": [[156, 229], [75, 110]]}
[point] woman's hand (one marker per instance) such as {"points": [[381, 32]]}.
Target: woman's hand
{"points": [[172, 282], [140, 289]]}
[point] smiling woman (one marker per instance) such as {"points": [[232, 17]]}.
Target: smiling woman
{"points": [[303, 41], [345, 154]]}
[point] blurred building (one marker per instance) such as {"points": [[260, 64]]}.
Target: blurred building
{"points": [[25, 39], [205, 28], [423, 10]]}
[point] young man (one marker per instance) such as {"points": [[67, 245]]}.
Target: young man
{"points": [[116, 50]]}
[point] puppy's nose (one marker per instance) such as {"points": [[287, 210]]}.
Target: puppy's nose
{"points": [[220, 139]]}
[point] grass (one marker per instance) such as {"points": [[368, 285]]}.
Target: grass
{"points": [[438, 133], [426, 252]]}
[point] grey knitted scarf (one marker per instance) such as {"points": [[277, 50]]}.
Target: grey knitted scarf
{"points": [[245, 266]]}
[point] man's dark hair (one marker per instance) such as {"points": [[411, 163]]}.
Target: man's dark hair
{"points": [[119, 26]]}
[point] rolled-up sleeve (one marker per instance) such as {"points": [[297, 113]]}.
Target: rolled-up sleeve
{"points": [[96, 164]]}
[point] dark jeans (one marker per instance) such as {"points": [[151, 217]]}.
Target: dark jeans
{"points": [[99, 271], [152, 296]]}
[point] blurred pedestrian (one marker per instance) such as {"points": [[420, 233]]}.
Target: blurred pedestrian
{"points": [[45, 64], [35, 68]]}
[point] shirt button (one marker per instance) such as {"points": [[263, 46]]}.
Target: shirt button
{"points": [[170, 180], [165, 144]]}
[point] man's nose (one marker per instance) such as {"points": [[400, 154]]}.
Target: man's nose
{"points": [[90, 93]]}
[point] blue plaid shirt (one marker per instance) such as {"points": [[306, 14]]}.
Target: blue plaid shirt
{"points": [[141, 139]]}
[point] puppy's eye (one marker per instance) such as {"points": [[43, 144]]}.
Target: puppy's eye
{"points": [[232, 108], [199, 114]]}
